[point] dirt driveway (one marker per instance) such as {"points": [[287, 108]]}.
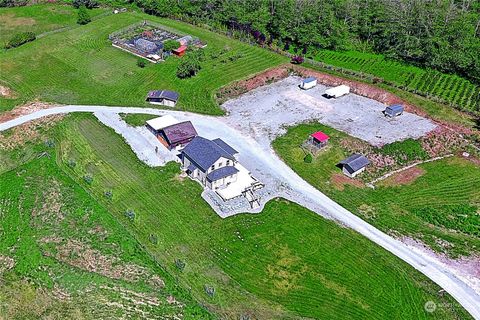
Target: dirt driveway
{"points": [[266, 111]]}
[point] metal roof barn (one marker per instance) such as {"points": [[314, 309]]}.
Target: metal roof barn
{"points": [[162, 122], [354, 163]]}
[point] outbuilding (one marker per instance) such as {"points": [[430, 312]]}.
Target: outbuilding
{"points": [[171, 132], [163, 97], [180, 51], [393, 110], [318, 139], [308, 83], [354, 165], [338, 91]]}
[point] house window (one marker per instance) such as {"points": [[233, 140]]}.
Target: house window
{"points": [[212, 168], [219, 164], [228, 162]]}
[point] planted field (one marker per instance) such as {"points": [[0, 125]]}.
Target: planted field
{"points": [[438, 201], [80, 66], [285, 262], [450, 89]]}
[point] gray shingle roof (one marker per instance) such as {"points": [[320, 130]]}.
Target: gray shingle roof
{"points": [[163, 94], [355, 162], [204, 153], [222, 144], [221, 173], [179, 132]]}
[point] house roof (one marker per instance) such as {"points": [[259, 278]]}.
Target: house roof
{"points": [[163, 94], [395, 107], [221, 173], [225, 146], [309, 79], [204, 153], [179, 132], [320, 136], [355, 162], [162, 122]]}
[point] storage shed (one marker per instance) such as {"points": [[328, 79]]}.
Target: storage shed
{"points": [[337, 92], [163, 97], [393, 110], [180, 51], [354, 165], [308, 83], [318, 139]]}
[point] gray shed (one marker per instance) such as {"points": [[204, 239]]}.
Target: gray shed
{"points": [[393, 110], [354, 165]]}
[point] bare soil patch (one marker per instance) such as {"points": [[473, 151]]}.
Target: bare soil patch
{"points": [[404, 177], [339, 181], [10, 21], [24, 110]]}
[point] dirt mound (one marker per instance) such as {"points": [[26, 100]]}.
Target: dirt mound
{"points": [[404, 177]]}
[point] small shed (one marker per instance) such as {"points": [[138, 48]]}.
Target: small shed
{"points": [[308, 83], [338, 91], [318, 139], [163, 97], [393, 110], [180, 51], [354, 165]]}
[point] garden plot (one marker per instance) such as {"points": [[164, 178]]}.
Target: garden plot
{"points": [[266, 111]]}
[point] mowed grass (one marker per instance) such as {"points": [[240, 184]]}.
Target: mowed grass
{"points": [[63, 256], [440, 206], [80, 66], [283, 263], [38, 19]]}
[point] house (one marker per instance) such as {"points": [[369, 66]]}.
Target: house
{"points": [[172, 133], [338, 91], [393, 110], [354, 165], [308, 83], [318, 139], [211, 162], [180, 51], [163, 97]]}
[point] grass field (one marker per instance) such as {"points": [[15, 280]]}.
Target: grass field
{"points": [[284, 262], [440, 207], [63, 256], [80, 66], [450, 89]]}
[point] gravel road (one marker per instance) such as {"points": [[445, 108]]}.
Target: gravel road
{"points": [[258, 156]]}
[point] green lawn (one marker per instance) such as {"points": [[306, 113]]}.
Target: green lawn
{"points": [[285, 262], [80, 66], [441, 204], [136, 120], [38, 19]]}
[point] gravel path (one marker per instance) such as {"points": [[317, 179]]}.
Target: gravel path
{"points": [[258, 156]]}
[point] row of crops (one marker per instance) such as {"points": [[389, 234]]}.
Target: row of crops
{"points": [[445, 88]]}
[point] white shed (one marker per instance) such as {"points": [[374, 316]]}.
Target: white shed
{"points": [[308, 83], [336, 92]]}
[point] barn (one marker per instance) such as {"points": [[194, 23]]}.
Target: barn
{"points": [[163, 97], [354, 165], [172, 133]]}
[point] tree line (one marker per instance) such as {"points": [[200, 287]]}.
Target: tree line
{"points": [[438, 34]]}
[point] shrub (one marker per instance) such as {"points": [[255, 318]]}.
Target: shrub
{"points": [[83, 16], [180, 264], [297, 60], [130, 214], [49, 143], [188, 67], [20, 38], [108, 194], [308, 158], [85, 3], [153, 239], [405, 151], [88, 178], [209, 290], [141, 63], [170, 45], [72, 163]]}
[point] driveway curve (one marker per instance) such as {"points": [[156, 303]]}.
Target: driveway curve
{"points": [[260, 151]]}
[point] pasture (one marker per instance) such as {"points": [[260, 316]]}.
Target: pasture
{"points": [[80, 66], [438, 202], [284, 262]]}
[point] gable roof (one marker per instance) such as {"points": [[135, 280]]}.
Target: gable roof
{"points": [[162, 122], [309, 79], [221, 173], [204, 153], [395, 107], [225, 146], [320, 136], [355, 162], [179, 132], [163, 94]]}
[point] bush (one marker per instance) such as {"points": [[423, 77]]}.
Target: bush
{"points": [[170, 45], [179, 264], [108, 194], [141, 63], [83, 16], [308, 158], [20, 38], [85, 3], [209, 290], [88, 179], [130, 214], [189, 66], [297, 60]]}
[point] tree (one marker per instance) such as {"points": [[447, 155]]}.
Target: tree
{"points": [[83, 16], [189, 66], [141, 63]]}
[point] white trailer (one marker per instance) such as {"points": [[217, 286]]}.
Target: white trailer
{"points": [[336, 92], [308, 83]]}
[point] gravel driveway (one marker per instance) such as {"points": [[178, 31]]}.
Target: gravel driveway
{"points": [[257, 155]]}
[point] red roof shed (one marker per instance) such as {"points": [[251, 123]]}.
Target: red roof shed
{"points": [[320, 136], [180, 51]]}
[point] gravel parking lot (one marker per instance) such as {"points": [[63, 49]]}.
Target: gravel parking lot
{"points": [[266, 111]]}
